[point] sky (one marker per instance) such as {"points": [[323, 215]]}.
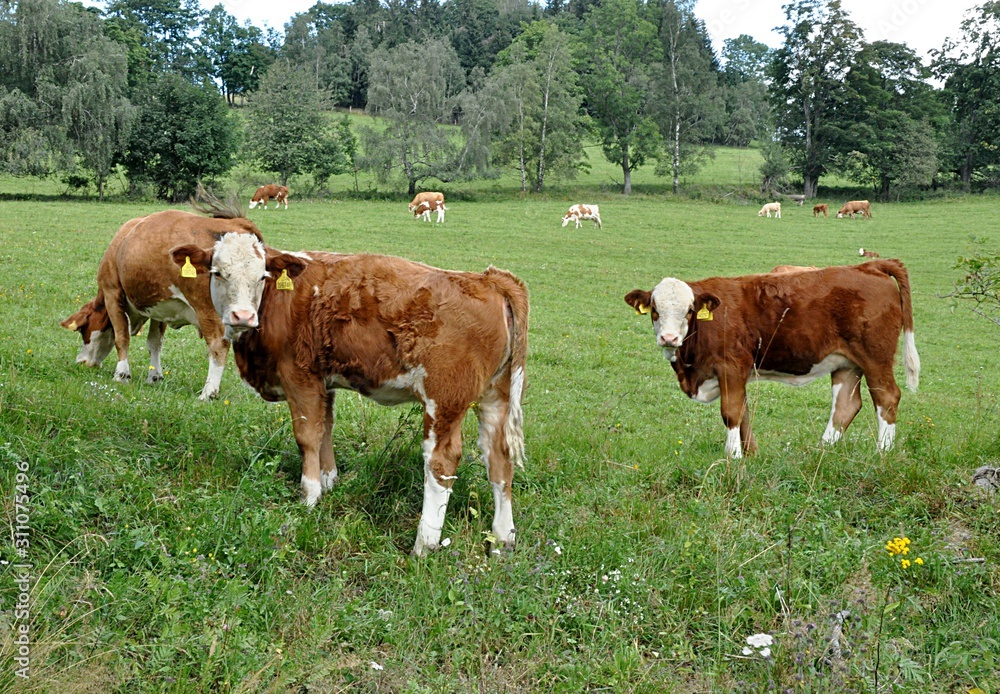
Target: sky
{"points": [[921, 24]]}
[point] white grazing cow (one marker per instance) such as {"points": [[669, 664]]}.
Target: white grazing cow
{"points": [[769, 208], [425, 208], [577, 213]]}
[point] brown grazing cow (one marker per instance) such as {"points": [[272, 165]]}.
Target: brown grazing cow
{"points": [[427, 196], [138, 281], [861, 207], [265, 193], [721, 332], [820, 208], [304, 325], [424, 209], [867, 254]]}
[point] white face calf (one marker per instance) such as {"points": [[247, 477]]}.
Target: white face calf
{"points": [[670, 305], [238, 274]]}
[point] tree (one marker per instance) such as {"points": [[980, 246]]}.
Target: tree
{"points": [[688, 104], [287, 130], [970, 68], [808, 73], [744, 77], [981, 283], [414, 89], [548, 128], [620, 46], [182, 135], [237, 54], [96, 114], [166, 29]]}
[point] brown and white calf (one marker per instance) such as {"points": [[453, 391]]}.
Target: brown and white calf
{"points": [[425, 207], [861, 207], [265, 193], [577, 213], [306, 324], [138, 281], [426, 196], [769, 208], [867, 254], [817, 209], [722, 332]]}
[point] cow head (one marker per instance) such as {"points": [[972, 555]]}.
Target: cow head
{"points": [[94, 326], [239, 265], [253, 203], [567, 219], [671, 306]]}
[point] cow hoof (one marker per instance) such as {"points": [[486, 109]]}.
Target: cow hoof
{"points": [[123, 376], [327, 480], [154, 377], [207, 395]]}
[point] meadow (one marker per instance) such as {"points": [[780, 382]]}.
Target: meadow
{"points": [[169, 551]]}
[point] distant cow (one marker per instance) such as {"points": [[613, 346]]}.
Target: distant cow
{"points": [[425, 207], [138, 281], [769, 208], [306, 324], [426, 196], [722, 332], [821, 208], [266, 193], [577, 213], [854, 207], [867, 254]]}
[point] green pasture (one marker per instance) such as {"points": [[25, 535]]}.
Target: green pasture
{"points": [[169, 551]]}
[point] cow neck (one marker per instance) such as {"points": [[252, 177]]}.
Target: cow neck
{"points": [[688, 347]]}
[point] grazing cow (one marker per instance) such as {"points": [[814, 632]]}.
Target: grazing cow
{"points": [[265, 193], [426, 196], [304, 325], [577, 213], [138, 281], [867, 254], [821, 208], [854, 207], [769, 208], [721, 332], [424, 209]]}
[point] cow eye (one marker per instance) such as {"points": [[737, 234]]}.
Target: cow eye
{"points": [[655, 316]]}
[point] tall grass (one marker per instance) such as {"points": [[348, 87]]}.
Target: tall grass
{"points": [[170, 552]]}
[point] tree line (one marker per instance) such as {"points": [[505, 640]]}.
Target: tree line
{"points": [[171, 95]]}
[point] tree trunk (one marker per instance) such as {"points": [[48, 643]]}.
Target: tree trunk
{"points": [[626, 172], [677, 152], [545, 123], [100, 187], [413, 187], [810, 183]]}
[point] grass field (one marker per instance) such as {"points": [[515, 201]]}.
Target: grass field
{"points": [[169, 551]]}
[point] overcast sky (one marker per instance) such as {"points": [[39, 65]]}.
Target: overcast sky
{"points": [[922, 24]]}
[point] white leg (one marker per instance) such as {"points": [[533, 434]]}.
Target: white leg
{"points": [[154, 345], [435, 504], [327, 480], [831, 435], [311, 491], [122, 372], [490, 421], [503, 515], [734, 447], [214, 379], [886, 432]]}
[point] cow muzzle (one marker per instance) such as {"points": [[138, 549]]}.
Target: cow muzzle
{"points": [[667, 340], [239, 321]]}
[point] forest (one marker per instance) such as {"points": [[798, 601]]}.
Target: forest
{"points": [[164, 94]]}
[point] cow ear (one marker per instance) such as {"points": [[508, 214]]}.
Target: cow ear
{"points": [[639, 300], [278, 261], [192, 257], [78, 321], [706, 300]]}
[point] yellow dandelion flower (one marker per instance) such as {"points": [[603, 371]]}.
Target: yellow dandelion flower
{"points": [[918, 561], [905, 563]]}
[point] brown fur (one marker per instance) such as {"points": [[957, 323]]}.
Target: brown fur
{"points": [[136, 274], [789, 322], [820, 208], [862, 207], [792, 268]]}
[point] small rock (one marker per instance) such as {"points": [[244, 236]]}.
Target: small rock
{"points": [[987, 479]]}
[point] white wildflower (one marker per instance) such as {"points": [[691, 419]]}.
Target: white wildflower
{"points": [[445, 542], [376, 666], [760, 640]]}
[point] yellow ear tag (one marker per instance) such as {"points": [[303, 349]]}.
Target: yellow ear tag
{"points": [[642, 310], [188, 269], [704, 313], [284, 282]]}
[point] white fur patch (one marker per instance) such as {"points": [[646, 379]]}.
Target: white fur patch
{"points": [[831, 435], [214, 379], [514, 428], [672, 300], [328, 479], [503, 515], [734, 446], [311, 491], [911, 360], [828, 365], [886, 433], [96, 351], [708, 391], [435, 504], [404, 388], [122, 372]]}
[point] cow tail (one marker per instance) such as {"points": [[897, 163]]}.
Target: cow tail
{"points": [[911, 360], [516, 298]]}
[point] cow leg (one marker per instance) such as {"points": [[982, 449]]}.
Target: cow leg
{"points": [[885, 394], [115, 303], [154, 343], [218, 351], [327, 460], [442, 449], [846, 389], [735, 414], [307, 401], [493, 409]]}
